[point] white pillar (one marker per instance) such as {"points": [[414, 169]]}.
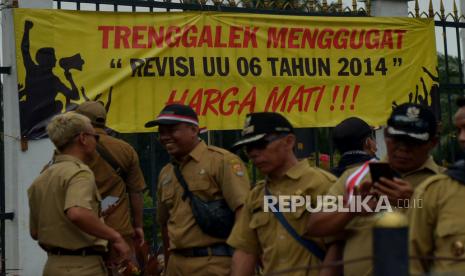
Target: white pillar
{"points": [[387, 8], [21, 252]]}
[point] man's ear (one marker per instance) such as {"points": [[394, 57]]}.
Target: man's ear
{"points": [[366, 143], [82, 139], [291, 140]]}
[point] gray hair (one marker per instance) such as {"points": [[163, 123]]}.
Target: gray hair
{"points": [[64, 127]]}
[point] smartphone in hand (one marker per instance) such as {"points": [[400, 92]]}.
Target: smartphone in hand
{"points": [[381, 169]]}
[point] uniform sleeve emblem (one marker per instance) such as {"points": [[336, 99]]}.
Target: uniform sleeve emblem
{"points": [[237, 169], [458, 249]]}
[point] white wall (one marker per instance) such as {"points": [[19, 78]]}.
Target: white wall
{"points": [[21, 168]]}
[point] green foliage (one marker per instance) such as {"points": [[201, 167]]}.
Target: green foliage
{"points": [[150, 224], [449, 73]]}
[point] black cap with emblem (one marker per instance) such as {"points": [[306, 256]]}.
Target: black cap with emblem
{"points": [[259, 124], [412, 120]]}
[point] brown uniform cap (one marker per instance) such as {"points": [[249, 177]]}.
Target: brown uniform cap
{"points": [[95, 111]]}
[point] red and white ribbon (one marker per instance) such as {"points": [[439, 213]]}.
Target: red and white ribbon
{"points": [[355, 178]]}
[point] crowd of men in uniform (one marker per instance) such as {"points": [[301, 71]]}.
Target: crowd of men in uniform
{"points": [[204, 184]]}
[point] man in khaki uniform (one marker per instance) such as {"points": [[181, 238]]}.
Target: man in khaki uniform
{"points": [[438, 228], [127, 184], [211, 173], [410, 135], [64, 204], [269, 141]]}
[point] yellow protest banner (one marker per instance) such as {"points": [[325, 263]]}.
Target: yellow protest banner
{"points": [[314, 70]]}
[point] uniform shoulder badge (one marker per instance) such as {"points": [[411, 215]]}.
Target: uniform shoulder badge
{"points": [[237, 167], [458, 249]]}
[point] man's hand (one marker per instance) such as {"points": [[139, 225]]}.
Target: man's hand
{"points": [[122, 248], [365, 189], [396, 190], [138, 235]]}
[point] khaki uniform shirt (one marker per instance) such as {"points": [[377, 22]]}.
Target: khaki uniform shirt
{"points": [[211, 173], [438, 228], [110, 184], [64, 184], [260, 233], [358, 232]]}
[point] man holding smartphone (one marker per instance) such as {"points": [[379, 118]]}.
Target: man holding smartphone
{"points": [[437, 229], [410, 135]]}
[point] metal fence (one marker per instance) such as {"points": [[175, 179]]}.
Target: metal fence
{"points": [[450, 25]]}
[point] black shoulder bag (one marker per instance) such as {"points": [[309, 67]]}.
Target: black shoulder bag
{"points": [[108, 157], [215, 218]]}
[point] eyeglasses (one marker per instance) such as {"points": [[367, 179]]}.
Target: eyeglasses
{"points": [[264, 142]]}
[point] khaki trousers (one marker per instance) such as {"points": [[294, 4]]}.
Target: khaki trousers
{"points": [[198, 266], [58, 265]]}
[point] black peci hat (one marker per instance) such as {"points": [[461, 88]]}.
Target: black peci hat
{"points": [[349, 133]]}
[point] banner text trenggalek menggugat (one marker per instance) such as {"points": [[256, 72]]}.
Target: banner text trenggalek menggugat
{"points": [[315, 70]]}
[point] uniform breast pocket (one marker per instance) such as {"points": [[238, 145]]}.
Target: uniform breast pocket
{"points": [[297, 220], [202, 186], [167, 192], [451, 239]]}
